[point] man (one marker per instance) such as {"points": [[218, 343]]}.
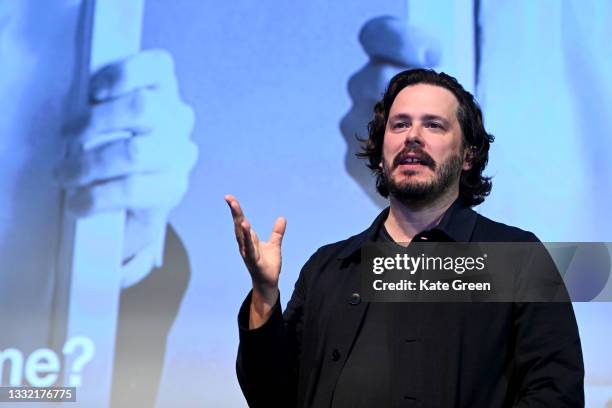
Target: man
{"points": [[569, 99], [428, 147]]}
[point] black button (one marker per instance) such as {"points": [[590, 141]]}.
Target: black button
{"points": [[336, 355], [355, 299]]}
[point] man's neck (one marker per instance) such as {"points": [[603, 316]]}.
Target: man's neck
{"points": [[406, 221]]}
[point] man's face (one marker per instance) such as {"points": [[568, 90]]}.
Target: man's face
{"points": [[423, 153]]}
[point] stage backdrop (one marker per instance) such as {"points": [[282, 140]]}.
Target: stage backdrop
{"points": [[268, 83]]}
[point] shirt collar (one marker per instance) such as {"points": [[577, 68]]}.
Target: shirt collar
{"points": [[457, 224]]}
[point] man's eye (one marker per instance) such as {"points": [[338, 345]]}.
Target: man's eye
{"points": [[434, 125], [400, 125]]}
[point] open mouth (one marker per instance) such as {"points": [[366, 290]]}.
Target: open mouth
{"points": [[413, 160]]}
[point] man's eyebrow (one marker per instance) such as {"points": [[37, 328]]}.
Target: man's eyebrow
{"points": [[400, 116], [425, 117], [435, 117]]}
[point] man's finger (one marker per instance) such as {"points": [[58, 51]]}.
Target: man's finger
{"points": [[392, 40], [235, 209], [147, 69], [249, 242], [278, 231], [237, 217]]}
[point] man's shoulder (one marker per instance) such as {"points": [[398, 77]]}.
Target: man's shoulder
{"points": [[336, 249], [488, 230], [485, 230]]}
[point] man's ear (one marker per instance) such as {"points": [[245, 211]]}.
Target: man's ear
{"points": [[468, 157]]}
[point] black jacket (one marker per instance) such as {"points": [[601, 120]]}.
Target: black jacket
{"points": [[444, 354]]}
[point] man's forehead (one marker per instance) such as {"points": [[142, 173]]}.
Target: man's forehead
{"points": [[422, 99]]}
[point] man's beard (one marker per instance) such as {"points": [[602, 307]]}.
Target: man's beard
{"points": [[419, 193]]}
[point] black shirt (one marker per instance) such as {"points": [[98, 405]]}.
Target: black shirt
{"points": [[366, 377], [364, 381]]}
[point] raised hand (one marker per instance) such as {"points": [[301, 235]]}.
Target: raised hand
{"points": [[263, 260]]}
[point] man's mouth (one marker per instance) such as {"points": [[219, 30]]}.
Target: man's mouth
{"points": [[413, 160]]}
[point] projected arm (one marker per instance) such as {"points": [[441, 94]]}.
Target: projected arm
{"points": [[135, 153]]}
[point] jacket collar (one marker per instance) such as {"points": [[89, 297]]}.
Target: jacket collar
{"points": [[457, 224]]}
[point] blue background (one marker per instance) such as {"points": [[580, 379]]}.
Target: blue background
{"points": [[268, 82]]}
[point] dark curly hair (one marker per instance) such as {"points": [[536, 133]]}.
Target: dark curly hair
{"points": [[473, 186]]}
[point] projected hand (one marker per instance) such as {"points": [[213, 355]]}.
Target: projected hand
{"points": [[135, 151], [392, 46], [262, 259]]}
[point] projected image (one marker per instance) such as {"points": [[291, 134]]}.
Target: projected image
{"points": [[96, 152]]}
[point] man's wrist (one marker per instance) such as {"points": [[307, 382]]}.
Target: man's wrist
{"points": [[262, 304]]}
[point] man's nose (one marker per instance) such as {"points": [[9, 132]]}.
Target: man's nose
{"points": [[414, 136]]}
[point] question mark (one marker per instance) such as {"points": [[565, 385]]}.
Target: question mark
{"points": [[88, 349]]}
